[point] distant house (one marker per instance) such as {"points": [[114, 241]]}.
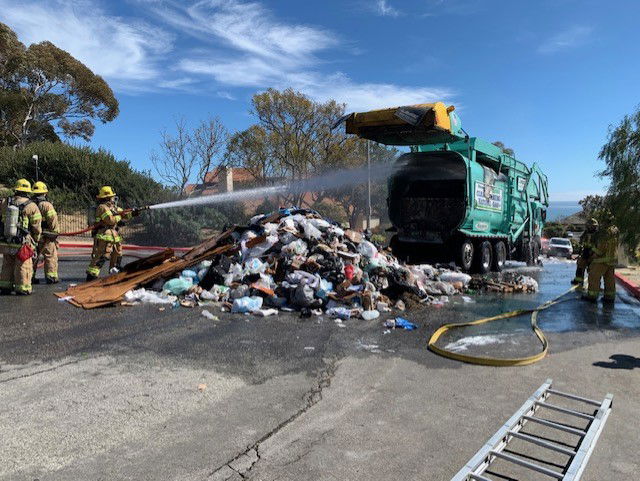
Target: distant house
{"points": [[221, 179]]}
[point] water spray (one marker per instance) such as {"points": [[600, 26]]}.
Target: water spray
{"points": [[332, 180]]}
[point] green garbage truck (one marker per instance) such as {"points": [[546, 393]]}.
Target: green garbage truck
{"points": [[454, 197]]}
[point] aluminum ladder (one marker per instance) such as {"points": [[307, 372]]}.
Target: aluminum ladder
{"points": [[478, 468]]}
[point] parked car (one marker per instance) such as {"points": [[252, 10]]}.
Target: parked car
{"points": [[560, 247]]}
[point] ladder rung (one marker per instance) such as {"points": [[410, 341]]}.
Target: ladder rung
{"points": [[553, 407], [477, 477], [527, 464], [574, 397], [551, 424], [542, 442]]}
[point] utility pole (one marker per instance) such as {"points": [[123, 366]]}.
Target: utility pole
{"points": [[35, 159], [368, 185]]}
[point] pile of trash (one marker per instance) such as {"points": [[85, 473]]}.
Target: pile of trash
{"points": [[295, 260]]}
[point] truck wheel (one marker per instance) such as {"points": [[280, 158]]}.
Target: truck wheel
{"points": [[499, 256], [532, 253], [484, 259], [466, 254]]}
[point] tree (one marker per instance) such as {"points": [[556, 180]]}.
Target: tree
{"points": [[554, 229], [41, 85], [249, 149], [592, 205], [206, 143], [291, 140], [621, 155], [186, 153], [505, 149], [176, 162]]}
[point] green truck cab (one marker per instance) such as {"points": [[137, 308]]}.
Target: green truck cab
{"points": [[455, 197]]}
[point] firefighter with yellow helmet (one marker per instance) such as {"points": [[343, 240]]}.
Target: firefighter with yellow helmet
{"points": [[107, 243], [604, 261], [48, 245], [21, 229]]}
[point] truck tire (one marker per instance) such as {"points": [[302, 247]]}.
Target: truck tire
{"points": [[465, 255], [532, 253], [484, 258], [499, 256]]}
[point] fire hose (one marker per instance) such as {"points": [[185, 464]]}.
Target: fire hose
{"points": [[496, 361]]}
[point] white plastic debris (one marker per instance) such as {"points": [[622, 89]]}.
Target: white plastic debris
{"points": [[370, 315], [265, 312], [149, 297], [451, 277], [246, 304], [209, 315]]}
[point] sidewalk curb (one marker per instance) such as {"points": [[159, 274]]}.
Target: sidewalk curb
{"points": [[630, 286]]}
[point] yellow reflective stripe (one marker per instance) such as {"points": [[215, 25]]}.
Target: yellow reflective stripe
{"points": [[53, 275], [35, 217], [109, 238], [105, 215], [118, 218], [94, 271], [23, 287], [50, 213]]}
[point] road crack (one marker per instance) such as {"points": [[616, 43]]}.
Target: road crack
{"points": [[243, 462]]}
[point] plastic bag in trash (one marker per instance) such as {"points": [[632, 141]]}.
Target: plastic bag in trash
{"points": [[178, 286], [246, 304], [452, 277], [324, 288], [370, 315], [189, 273], [303, 296], [310, 231], [254, 266], [400, 323], [260, 249], [339, 312], [204, 265], [367, 249], [297, 247], [148, 297]]}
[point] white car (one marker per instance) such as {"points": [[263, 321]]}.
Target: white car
{"points": [[560, 247]]}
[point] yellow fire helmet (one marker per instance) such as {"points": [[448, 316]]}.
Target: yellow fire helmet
{"points": [[106, 192], [23, 185], [40, 188]]}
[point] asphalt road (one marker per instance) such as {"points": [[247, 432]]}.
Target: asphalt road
{"points": [[149, 394]]}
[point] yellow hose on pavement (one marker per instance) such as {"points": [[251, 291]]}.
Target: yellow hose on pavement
{"points": [[496, 361]]}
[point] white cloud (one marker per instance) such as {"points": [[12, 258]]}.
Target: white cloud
{"points": [[246, 26], [266, 53], [120, 50], [383, 8], [573, 37]]}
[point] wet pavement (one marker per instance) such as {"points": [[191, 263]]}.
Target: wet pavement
{"points": [[115, 393]]}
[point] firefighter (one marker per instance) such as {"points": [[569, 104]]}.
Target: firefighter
{"points": [[48, 245], [603, 263], [586, 251], [107, 243], [21, 230]]}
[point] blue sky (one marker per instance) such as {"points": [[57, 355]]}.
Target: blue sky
{"points": [[545, 77]]}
